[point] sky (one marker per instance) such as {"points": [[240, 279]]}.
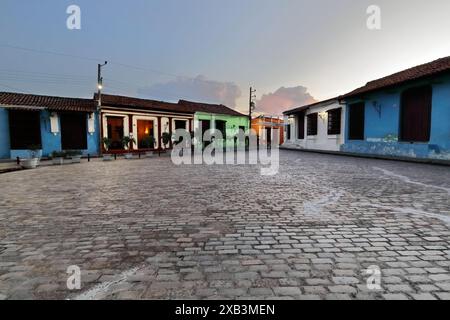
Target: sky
{"points": [[292, 52]]}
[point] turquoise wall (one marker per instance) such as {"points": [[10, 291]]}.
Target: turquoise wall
{"points": [[50, 142], [4, 134], [382, 124], [232, 124], [93, 141]]}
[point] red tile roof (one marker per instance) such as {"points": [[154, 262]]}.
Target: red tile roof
{"points": [[21, 100], [419, 72], [182, 106], [209, 108], [306, 107], [141, 104]]}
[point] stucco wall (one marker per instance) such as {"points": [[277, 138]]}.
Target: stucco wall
{"points": [[382, 124], [93, 139], [322, 141], [50, 141], [4, 134], [232, 124]]}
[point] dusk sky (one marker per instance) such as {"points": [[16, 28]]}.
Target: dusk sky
{"points": [[292, 51]]}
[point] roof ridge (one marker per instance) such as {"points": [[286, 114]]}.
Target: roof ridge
{"points": [[42, 95]]}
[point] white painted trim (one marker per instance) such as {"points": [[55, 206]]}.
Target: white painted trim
{"points": [[126, 129], [180, 119], [155, 128]]}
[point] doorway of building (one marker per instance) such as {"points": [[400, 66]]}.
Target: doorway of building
{"points": [[115, 132], [145, 130], [73, 131]]}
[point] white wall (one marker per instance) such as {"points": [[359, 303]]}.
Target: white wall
{"points": [[322, 141]]}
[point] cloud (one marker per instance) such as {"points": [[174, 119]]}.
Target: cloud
{"points": [[283, 99], [197, 89]]}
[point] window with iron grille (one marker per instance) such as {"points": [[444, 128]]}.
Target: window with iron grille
{"points": [[334, 121], [312, 124]]}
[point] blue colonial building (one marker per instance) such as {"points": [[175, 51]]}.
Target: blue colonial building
{"points": [[406, 114], [47, 124]]}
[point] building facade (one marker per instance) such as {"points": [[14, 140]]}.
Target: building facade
{"points": [[140, 118], [318, 126], [406, 114], [48, 124], [267, 128]]}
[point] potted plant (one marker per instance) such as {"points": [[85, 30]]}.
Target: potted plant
{"points": [[34, 158], [74, 155], [166, 137], [149, 143], [127, 143], [58, 157], [107, 144]]}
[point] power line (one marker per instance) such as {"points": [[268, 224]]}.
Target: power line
{"points": [[125, 65]]}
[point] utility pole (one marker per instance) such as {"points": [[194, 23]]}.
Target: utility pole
{"points": [[100, 83], [251, 106]]}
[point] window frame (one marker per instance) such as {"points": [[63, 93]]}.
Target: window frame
{"points": [[312, 131], [332, 121]]}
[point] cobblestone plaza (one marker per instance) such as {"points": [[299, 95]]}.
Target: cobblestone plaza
{"points": [[147, 229]]}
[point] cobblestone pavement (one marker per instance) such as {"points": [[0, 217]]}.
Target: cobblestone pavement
{"points": [[146, 229]]}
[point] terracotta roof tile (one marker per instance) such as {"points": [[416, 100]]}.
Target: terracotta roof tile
{"points": [[422, 71], [209, 108], [306, 107], [142, 104], [182, 106], [47, 102]]}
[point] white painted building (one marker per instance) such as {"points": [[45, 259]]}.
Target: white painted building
{"points": [[319, 126]]}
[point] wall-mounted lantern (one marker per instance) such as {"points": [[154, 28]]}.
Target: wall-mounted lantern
{"points": [[323, 115], [54, 123]]}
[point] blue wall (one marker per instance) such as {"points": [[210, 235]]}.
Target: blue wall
{"points": [[4, 134], [94, 139], [382, 124], [50, 142]]}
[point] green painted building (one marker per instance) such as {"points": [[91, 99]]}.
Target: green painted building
{"points": [[218, 117]]}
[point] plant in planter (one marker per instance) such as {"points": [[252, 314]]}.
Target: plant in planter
{"points": [[107, 144], [74, 155], [149, 143], [127, 143], [34, 158], [58, 157], [166, 137]]}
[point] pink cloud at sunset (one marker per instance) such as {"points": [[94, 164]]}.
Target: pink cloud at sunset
{"points": [[283, 99]]}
